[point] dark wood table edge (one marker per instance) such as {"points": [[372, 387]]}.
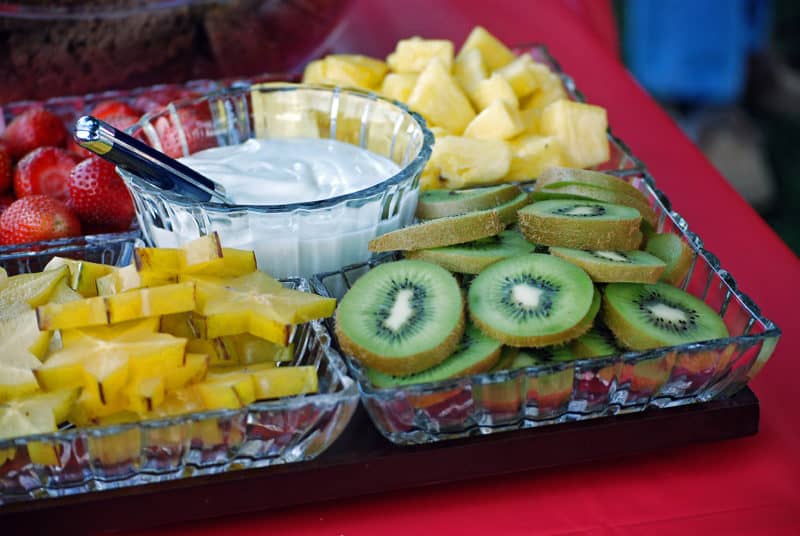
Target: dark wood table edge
{"points": [[361, 462]]}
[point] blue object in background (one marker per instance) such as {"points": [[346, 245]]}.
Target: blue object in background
{"points": [[694, 50]]}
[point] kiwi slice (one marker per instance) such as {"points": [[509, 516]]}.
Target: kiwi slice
{"points": [[440, 203], [401, 317], [472, 257], [531, 357], [676, 253], [555, 175], [507, 356], [598, 342], [440, 232], [569, 190], [581, 225], [614, 266], [650, 316], [476, 353], [508, 211], [531, 300]]}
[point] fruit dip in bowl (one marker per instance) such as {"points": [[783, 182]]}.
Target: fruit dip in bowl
{"points": [[313, 173]]}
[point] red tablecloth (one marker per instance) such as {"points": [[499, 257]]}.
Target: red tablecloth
{"points": [[745, 486]]}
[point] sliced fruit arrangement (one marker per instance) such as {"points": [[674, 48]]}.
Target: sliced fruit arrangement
{"points": [[595, 294], [136, 350], [497, 117]]}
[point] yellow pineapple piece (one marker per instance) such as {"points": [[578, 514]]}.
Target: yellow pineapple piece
{"points": [[493, 88], [429, 179], [439, 98], [413, 55], [164, 300], [498, 121], [23, 291], [74, 314], [348, 70], [285, 381], [469, 162], [469, 69], [549, 88], [530, 119], [581, 130], [398, 86], [521, 75], [494, 53], [531, 154], [193, 370]]}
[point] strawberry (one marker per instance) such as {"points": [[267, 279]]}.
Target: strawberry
{"points": [[117, 114], [195, 125], [155, 100], [5, 169], [5, 202], [44, 171], [99, 196], [34, 128], [37, 217]]}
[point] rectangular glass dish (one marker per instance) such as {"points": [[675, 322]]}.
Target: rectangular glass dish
{"points": [[586, 388], [81, 460]]}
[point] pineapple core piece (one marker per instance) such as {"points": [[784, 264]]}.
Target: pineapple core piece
{"points": [[439, 98], [581, 130], [413, 55]]}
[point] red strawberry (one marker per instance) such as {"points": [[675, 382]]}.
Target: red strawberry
{"points": [[44, 171], [5, 202], [37, 217], [155, 100], [34, 128], [98, 196], [5, 169], [195, 128]]}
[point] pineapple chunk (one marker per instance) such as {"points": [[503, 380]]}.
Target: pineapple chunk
{"points": [[469, 69], [83, 274], [413, 55], [549, 88], [494, 53], [429, 179], [468, 162], [531, 154], [493, 88], [398, 86], [438, 97], [581, 130], [521, 75], [348, 70], [498, 121], [530, 119]]}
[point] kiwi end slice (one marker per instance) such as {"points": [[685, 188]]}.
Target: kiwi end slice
{"points": [[530, 300], [475, 353], [676, 253], [614, 266], [473, 257], [440, 232], [440, 203], [598, 342], [554, 175], [401, 317], [651, 316]]}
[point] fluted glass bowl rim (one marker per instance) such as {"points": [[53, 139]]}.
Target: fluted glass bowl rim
{"points": [[408, 172]]}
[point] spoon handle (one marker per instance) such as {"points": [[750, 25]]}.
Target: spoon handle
{"points": [[144, 161]]}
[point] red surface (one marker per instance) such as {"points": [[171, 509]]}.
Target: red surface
{"points": [[746, 486]]}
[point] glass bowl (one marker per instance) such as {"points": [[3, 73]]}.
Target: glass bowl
{"points": [[69, 47], [81, 460], [586, 388], [297, 239]]}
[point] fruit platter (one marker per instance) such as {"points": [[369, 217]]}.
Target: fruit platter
{"points": [[539, 283]]}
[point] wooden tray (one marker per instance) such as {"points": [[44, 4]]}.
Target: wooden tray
{"points": [[363, 462]]}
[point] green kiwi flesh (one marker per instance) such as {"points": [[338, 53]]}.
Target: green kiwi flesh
{"points": [[507, 356], [440, 203], [475, 353], [401, 317], [472, 257], [556, 175], [650, 316], [508, 211], [530, 300], [598, 342], [440, 232], [568, 190], [677, 255], [614, 266], [532, 357]]}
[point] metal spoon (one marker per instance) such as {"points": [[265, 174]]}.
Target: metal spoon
{"points": [[142, 160]]}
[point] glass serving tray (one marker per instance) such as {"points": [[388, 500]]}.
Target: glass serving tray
{"points": [[585, 388], [264, 433]]}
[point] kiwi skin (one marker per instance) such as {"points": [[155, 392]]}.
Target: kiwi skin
{"points": [[407, 365], [440, 232], [490, 197], [671, 249], [610, 273]]}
